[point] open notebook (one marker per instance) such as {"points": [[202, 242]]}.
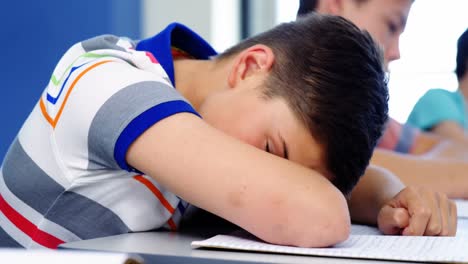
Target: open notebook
{"points": [[365, 242]]}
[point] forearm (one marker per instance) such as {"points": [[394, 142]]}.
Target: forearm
{"points": [[277, 200], [448, 176], [373, 190], [434, 146], [448, 149]]}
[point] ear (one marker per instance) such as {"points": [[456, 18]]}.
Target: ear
{"points": [[257, 59], [334, 7]]}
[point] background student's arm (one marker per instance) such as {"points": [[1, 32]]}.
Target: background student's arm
{"points": [[432, 162], [275, 199], [408, 139], [449, 176], [451, 130], [434, 146], [381, 199]]}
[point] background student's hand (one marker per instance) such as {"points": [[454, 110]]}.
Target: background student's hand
{"points": [[417, 212]]}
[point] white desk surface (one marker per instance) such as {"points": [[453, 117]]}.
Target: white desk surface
{"points": [[174, 247], [167, 247]]}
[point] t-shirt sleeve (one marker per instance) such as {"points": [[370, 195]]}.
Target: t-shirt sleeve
{"points": [[128, 113], [105, 104], [434, 107]]}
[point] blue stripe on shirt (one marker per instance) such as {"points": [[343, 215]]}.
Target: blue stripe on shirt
{"points": [[406, 139], [54, 100], [144, 121]]}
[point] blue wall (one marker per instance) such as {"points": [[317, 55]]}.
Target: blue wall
{"points": [[34, 35]]}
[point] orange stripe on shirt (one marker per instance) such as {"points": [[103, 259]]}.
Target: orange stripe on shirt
{"points": [[156, 192], [53, 122]]}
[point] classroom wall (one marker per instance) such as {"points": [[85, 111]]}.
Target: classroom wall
{"points": [[217, 21], [34, 35]]}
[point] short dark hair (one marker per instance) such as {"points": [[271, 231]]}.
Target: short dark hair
{"points": [[331, 75], [462, 55]]}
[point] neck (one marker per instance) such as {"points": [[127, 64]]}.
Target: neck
{"points": [[198, 79], [463, 86]]}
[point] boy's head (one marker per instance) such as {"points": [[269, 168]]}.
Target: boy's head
{"points": [[462, 55], [385, 20], [319, 95]]}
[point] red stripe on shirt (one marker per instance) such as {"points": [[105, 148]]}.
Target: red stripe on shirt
{"points": [[28, 227]]}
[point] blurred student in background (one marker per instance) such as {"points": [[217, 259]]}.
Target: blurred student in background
{"points": [[418, 158], [443, 112]]}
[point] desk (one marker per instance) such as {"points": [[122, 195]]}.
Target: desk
{"points": [[168, 247]]}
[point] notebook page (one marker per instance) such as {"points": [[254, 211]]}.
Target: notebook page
{"points": [[364, 230], [427, 249], [462, 208]]}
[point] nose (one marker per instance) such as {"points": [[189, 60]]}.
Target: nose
{"points": [[392, 51]]}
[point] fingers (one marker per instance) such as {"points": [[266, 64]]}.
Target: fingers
{"points": [[453, 218], [444, 205], [419, 209], [437, 217], [419, 219], [431, 213], [392, 221], [443, 220]]}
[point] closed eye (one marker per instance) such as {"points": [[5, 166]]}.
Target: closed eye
{"points": [[392, 27]]}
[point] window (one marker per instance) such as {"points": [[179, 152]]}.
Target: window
{"points": [[428, 50]]}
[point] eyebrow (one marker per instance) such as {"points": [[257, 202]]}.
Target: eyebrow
{"points": [[285, 148]]}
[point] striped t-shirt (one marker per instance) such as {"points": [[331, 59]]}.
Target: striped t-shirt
{"points": [[65, 177]]}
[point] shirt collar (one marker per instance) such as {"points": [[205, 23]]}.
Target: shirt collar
{"points": [[181, 37]]}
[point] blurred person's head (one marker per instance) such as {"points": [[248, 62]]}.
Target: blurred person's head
{"points": [[462, 55], [385, 20]]}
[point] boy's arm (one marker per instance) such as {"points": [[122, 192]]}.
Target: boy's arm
{"points": [[380, 198], [275, 199], [376, 187]]}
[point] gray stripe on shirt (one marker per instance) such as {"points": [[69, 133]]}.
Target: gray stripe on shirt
{"points": [[101, 42], [27, 181], [117, 112], [74, 212], [85, 217], [7, 241]]}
